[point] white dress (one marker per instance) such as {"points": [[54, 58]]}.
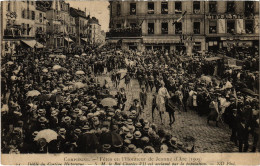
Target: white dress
{"points": [[160, 98]]}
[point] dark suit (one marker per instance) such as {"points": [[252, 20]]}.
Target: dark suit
{"points": [[242, 134], [170, 108]]}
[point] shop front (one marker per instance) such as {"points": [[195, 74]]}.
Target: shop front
{"points": [[131, 44], [157, 43], [213, 44]]}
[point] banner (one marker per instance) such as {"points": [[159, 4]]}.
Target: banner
{"points": [[256, 28], [240, 27], [221, 26]]}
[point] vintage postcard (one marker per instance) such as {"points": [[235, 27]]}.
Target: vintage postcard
{"points": [[130, 82]]}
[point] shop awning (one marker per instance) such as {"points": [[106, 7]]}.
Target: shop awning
{"points": [[39, 45], [68, 39], [213, 58], [33, 43], [112, 40], [157, 41], [131, 40], [84, 39]]}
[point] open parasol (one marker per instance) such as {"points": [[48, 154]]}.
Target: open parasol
{"points": [[111, 138], [88, 143], [80, 72], [52, 55], [110, 102], [56, 67], [79, 85], [10, 63], [45, 70], [33, 93], [206, 78], [83, 54], [47, 134], [76, 56]]}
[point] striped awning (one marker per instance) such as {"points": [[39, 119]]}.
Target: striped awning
{"points": [[32, 43], [84, 39], [159, 41], [68, 39]]}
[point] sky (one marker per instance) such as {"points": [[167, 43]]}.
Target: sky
{"points": [[98, 9]]}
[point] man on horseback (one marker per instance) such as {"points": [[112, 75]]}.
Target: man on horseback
{"points": [[161, 98]]}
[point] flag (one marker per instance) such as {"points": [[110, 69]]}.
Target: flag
{"points": [[48, 22], [141, 23], [179, 19]]}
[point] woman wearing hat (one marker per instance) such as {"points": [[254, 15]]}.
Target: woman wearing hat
{"points": [[214, 111]]}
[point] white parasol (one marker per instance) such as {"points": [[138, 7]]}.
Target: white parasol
{"points": [[56, 67], [80, 72], [47, 134], [33, 93]]}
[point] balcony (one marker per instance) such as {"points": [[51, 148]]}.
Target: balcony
{"points": [[13, 33], [125, 32]]}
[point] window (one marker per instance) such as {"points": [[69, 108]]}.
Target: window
{"points": [[9, 6], [32, 3], [40, 15], [150, 7], [118, 25], [178, 28], [28, 29], [212, 27], [196, 7], [230, 26], [196, 27], [197, 46], [178, 8], [230, 7], [23, 28], [164, 28], [28, 14], [164, 7], [118, 10], [132, 25], [23, 13], [150, 28], [212, 6], [249, 8], [33, 15], [249, 26], [132, 8]]}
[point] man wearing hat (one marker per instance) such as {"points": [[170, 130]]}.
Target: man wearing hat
{"points": [[143, 97], [170, 107]]}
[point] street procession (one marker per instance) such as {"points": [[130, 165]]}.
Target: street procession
{"points": [[136, 88]]}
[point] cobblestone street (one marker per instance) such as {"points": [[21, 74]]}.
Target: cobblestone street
{"points": [[207, 138]]}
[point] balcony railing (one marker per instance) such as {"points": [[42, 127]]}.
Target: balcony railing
{"points": [[12, 33], [125, 32]]}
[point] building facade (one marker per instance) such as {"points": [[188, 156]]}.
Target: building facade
{"points": [[232, 23], [20, 24], [58, 16], [81, 22], [176, 25], [95, 36]]}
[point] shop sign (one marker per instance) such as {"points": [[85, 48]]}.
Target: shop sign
{"points": [[228, 16]]}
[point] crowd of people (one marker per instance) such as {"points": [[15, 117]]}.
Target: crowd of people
{"points": [[61, 94]]}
